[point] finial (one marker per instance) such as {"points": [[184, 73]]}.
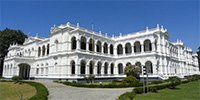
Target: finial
{"points": [[120, 34], [161, 27], [68, 23], [100, 32], [113, 35], [147, 29], [77, 24], [106, 34], [158, 26]]}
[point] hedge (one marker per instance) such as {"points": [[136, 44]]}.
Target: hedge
{"points": [[42, 92], [110, 85]]}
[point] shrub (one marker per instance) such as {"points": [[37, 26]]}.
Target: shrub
{"points": [[153, 89], [157, 82], [127, 96], [130, 80], [16, 79], [174, 81]]}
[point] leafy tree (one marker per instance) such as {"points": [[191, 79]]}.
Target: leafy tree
{"points": [[198, 53], [8, 36], [132, 70]]}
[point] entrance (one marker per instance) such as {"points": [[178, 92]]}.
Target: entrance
{"points": [[24, 71]]}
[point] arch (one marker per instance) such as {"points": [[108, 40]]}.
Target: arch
{"points": [[137, 46], [105, 48], [39, 51], [24, 70], [73, 67], [120, 68], [83, 43], [43, 50], [111, 49], [128, 48], [149, 67], [99, 67], [91, 45], [91, 67], [147, 45], [98, 46], [47, 49], [119, 49], [128, 64], [73, 43], [139, 65], [111, 68], [105, 68], [83, 66]]}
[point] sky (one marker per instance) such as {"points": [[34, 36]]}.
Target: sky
{"points": [[180, 18]]}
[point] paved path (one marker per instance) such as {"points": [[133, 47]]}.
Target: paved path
{"points": [[62, 92]]}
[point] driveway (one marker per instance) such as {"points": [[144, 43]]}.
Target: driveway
{"points": [[62, 92]]}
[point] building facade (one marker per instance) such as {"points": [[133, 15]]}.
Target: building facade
{"points": [[72, 52]]}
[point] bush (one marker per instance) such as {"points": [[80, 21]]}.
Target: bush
{"points": [[174, 81], [153, 89], [130, 80], [41, 93], [17, 79], [157, 82], [127, 96]]}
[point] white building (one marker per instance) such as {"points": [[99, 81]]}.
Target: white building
{"points": [[71, 52]]}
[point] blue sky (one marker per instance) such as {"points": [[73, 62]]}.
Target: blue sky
{"points": [[181, 18]]}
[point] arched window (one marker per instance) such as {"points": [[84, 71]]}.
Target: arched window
{"points": [[98, 46], [147, 45], [73, 43], [105, 48], [56, 44], [128, 48], [83, 65], [91, 67], [83, 43], [149, 67], [137, 46], [39, 51], [99, 68], [43, 50], [91, 45], [139, 65], [72, 67], [120, 68], [106, 68], [112, 68], [111, 49], [47, 49], [119, 49]]}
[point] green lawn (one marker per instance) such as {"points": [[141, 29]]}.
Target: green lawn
{"points": [[11, 91], [188, 91]]}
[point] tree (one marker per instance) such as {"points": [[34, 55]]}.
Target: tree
{"points": [[8, 36], [174, 81], [198, 53], [132, 70]]}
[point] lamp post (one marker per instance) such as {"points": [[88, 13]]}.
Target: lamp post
{"points": [[145, 79]]}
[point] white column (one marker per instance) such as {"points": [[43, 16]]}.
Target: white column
{"points": [[142, 48]]}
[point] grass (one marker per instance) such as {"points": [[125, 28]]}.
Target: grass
{"points": [[11, 91], [189, 91]]}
